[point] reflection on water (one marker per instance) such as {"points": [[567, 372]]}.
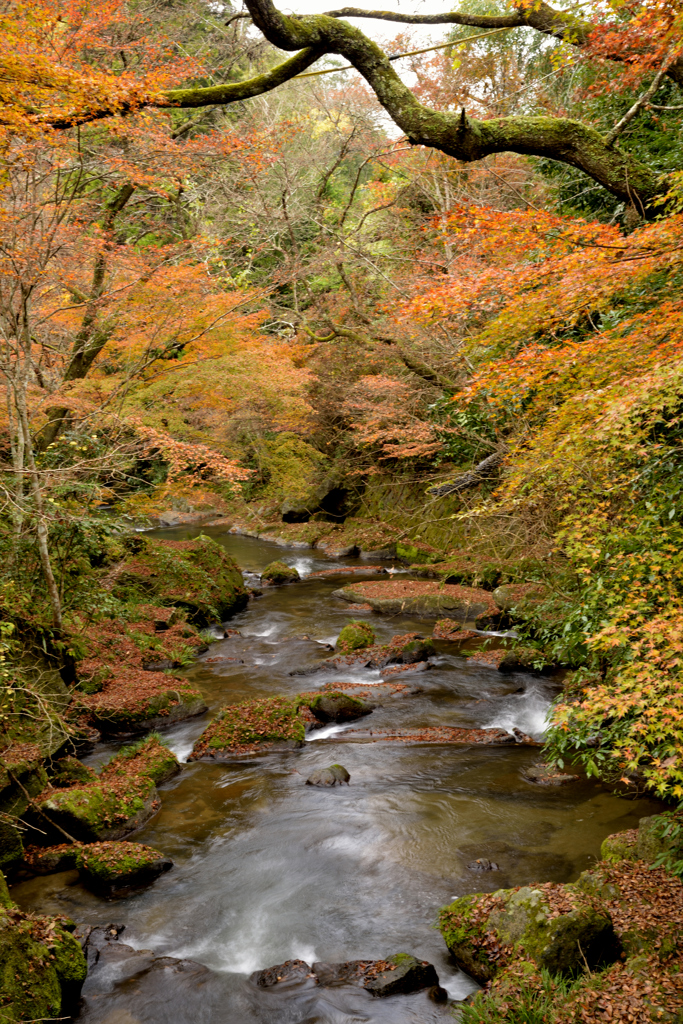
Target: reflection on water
{"points": [[267, 868]]}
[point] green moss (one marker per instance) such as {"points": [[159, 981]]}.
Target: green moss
{"points": [[5, 900], [621, 846], [417, 554], [69, 771], [197, 575], [42, 968], [11, 847], [298, 475], [111, 864], [149, 757], [280, 572], [119, 800], [355, 637]]}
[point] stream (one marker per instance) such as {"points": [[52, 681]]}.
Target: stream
{"points": [[268, 869]]}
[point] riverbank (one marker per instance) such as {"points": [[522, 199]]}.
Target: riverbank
{"points": [[353, 872]]}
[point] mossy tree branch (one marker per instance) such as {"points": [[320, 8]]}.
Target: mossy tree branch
{"points": [[465, 138]]}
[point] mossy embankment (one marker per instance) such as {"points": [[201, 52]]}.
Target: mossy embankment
{"points": [[607, 947]]}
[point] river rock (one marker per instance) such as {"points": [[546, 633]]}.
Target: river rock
{"points": [[336, 774], [547, 775], [423, 598], [555, 926], [47, 860], [126, 985], [290, 970], [116, 802], [278, 573], [108, 867], [482, 864], [645, 843], [338, 707], [399, 974], [42, 967], [355, 637]]}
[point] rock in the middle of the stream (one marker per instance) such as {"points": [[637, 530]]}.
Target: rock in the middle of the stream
{"points": [[335, 774], [397, 975]]}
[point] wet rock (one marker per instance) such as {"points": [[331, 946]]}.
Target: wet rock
{"points": [[424, 599], [548, 775], [110, 867], [46, 860], [355, 637], [337, 707], [42, 967], [402, 973], [119, 800], [482, 864], [335, 548], [290, 970], [130, 985], [278, 573], [557, 927], [443, 735], [399, 974], [406, 649], [335, 775]]}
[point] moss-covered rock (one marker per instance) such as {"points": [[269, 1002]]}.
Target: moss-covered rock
{"points": [[423, 598], [46, 860], [106, 867], [11, 846], [68, 771], [355, 636], [252, 726], [299, 476], [42, 967], [417, 553], [337, 706], [406, 649], [279, 573], [648, 842], [197, 575], [273, 723], [557, 927], [620, 846], [121, 798]]}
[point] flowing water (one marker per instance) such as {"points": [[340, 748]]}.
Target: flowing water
{"points": [[268, 869]]}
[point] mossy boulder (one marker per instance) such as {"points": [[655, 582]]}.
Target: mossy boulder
{"points": [[252, 726], [279, 573], [197, 575], [519, 598], [68, 771], [417, 553], [46, 860], [120, 799], [106, 867], [337, 706], [299, 476], [11, 846], [355, 637], [42, 967], [648, 842], [558, 928], [426, 599]]}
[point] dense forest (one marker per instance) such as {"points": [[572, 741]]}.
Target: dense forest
{"points": [[389, 283]]}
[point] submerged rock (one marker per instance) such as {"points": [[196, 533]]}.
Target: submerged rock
{"points": [[547, 775], [336, 774], [482, 864], [279, 572]]}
